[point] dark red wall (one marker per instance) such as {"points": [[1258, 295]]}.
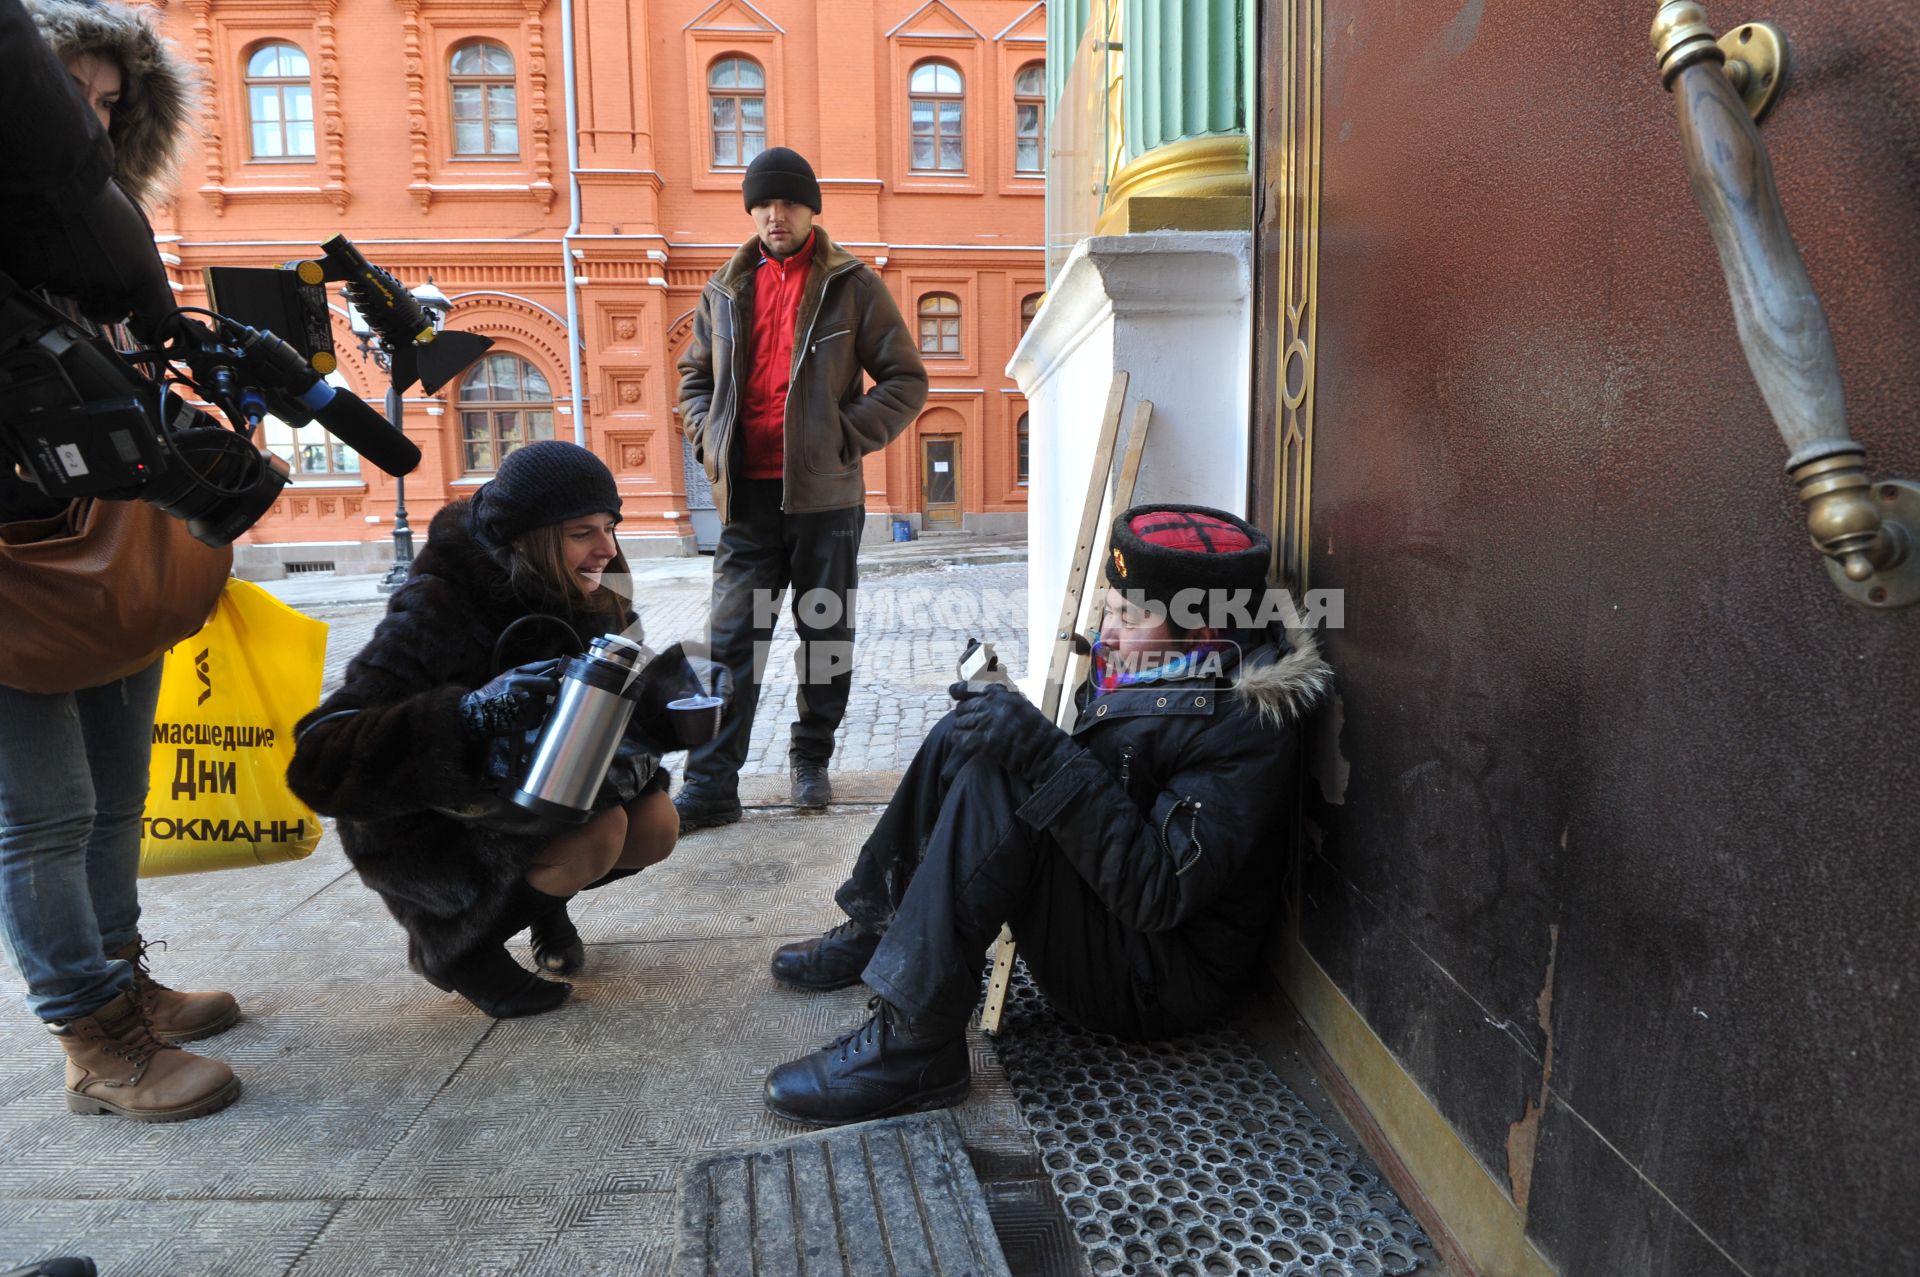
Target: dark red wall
{"points": [[1596, 685]]}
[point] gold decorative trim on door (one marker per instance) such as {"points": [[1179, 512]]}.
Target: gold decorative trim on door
{"points": [[1296, 189]]}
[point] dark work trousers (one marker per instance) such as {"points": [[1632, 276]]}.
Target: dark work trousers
{"points": [[762, 552], [949, 862]]}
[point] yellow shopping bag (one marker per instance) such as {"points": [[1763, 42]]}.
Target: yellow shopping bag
{"points": [[223, 736]]}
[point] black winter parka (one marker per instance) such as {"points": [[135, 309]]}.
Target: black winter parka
{"points": [[1172, 811], [403, 774]]}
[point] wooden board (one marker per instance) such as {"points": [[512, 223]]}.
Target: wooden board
{"points": [[1065, 667]]}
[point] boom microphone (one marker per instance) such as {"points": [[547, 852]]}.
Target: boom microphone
{"points": [[351, 420], [342, 413]]}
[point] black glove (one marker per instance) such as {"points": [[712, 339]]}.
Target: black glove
{"points": [[513, 702], [1003, 725], [674, 674]]}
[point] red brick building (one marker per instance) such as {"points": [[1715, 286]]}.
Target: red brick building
{"points": [[436, 134]]}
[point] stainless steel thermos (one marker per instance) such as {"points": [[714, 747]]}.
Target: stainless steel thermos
{"points": [[576, 746]]}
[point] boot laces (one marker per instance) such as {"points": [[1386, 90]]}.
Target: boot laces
{"points": [[143, 982], [133, 1042], [872, 1035]]}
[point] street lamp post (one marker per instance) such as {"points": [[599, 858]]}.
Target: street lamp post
{"points": [[436, 305]]}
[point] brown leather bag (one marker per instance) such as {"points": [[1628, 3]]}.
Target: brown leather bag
{"points": [[98, 592]]}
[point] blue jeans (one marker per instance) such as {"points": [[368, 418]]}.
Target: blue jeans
{"points": [[73, 782]]}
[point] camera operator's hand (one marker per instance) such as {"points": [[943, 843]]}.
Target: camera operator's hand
{"points": [[670, 676], [515, 701], [1010, 729]]}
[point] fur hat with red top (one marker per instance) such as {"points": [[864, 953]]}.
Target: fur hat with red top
{"points": [[1160, 550]]}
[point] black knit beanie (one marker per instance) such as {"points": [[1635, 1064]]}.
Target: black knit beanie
{"points": [[541, 483], [781, 174], [1160, 550]]}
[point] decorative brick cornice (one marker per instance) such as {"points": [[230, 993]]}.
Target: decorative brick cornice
{"points": [[523, 324]]}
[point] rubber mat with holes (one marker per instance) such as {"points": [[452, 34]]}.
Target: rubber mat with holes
{"points": [[874, 1200], [1190, 1158]]}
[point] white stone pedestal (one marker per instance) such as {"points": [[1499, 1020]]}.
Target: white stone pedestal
{"points": [[1174, 309]]}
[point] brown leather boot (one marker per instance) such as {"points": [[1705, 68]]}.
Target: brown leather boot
{"points": [[116, 1065], [176, 1016]]}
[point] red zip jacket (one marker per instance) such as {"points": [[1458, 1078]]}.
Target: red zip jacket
{"points": [[776, 313]]}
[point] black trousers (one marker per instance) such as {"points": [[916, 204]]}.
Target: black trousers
{"points": [[762, 551], [950, 861]]}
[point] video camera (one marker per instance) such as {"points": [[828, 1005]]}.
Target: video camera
{"points": [[78, 419]]}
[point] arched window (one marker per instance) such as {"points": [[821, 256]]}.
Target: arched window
{"points": [[504, 402], [937, 105], [280, 103], [737, 107], [940, 325], [1029, 307], [1020, 470], [486, 119], [1030, 120]]}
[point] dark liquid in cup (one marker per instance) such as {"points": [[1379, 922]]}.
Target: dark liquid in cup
{"points": [[696, 719]]}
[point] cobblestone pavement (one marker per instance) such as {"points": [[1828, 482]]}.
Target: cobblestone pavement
{"points": [[911, 623]]}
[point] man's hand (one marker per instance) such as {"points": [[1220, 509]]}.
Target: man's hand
{"points": [[514, 702], [1006, 727]]}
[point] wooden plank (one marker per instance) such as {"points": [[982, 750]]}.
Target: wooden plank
{"points": [[1095, 604], [1064, 661], [1097, 480]]}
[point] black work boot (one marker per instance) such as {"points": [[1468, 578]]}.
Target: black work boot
{"points": [[704, 811], [888, 1065], [557, 946], [811, 788], [64, 1266], [832, 961]]}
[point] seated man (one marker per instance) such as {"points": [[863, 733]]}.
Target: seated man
{"points": [[1138, 859]]}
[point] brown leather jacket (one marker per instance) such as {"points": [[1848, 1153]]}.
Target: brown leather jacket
{"points": [[847, 323]]}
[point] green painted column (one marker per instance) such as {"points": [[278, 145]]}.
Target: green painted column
{"points": [[1186, 70], [1066, 23]]}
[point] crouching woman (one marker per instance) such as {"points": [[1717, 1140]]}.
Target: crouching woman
{"points": [[411, 752]]}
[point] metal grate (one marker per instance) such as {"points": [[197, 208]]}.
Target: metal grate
{"points": [[1189, 1158], [310, 568]]}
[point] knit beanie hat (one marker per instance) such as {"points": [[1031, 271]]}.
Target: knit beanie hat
{"points": [[546, 482], [781, 174], [1161, 550]]}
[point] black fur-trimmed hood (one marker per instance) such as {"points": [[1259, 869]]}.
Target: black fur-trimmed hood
{"points": [[156, 106]]}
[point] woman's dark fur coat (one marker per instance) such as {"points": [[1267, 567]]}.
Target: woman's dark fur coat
{"points": [[393, 771]]}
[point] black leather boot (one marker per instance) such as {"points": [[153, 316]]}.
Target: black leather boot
{"points": [[810, 787], [65, 1266], [704, 811], [832, 961], [556, 944], [887, 1066]]}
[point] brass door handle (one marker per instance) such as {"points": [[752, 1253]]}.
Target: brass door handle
{"points": [[1864, 528]]}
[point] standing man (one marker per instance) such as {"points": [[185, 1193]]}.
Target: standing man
{"points": [[770, 391]]}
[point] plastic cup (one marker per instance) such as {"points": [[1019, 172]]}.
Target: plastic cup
{"points": [[696, 719]]}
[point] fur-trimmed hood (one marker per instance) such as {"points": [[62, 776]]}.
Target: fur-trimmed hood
{"points": [[1286, 689], [155, 111]]}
